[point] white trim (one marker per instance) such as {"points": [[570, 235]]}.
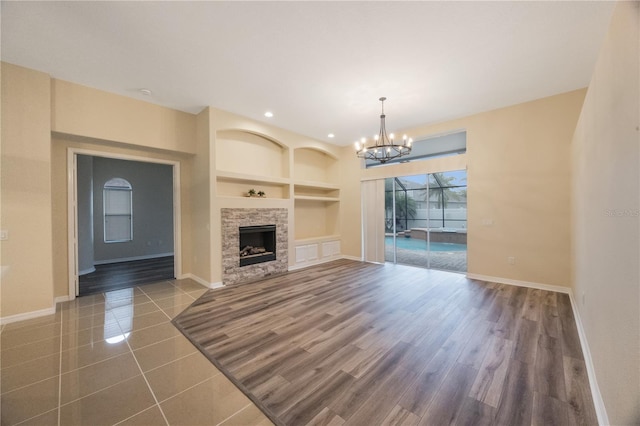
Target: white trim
{"points": [[87, 271], [60, 299], [72, 222], [132, 258], [356, 258], [202, 281], [28, 315], [548, 287], [598, 402]]}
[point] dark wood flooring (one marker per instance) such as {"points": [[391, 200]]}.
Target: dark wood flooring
{"points": [[366, 344], [115, 276]]}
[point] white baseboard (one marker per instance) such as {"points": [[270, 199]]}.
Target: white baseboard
{"points": [[129, 259], [357, 259], [518, 283], [598, 402], [28, 315], [61, 299], [202, 281]]}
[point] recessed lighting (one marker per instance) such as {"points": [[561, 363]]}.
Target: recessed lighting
{"points": [[145, 92], [268, 114], [331, 135]]}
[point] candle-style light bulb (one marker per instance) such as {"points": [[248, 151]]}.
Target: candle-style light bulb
{"points": [[391, 137], [357, 144]]}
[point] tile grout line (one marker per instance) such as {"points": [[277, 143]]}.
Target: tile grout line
{"points": [[142, 372], [60, 369], [21, 422], [242, 409], [190, 387], [158, 306], [177, 359]]}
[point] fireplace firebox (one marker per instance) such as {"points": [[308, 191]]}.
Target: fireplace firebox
{"points": [[257, 244]]}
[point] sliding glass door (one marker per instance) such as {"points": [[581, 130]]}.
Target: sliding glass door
{"points": [[426, 220]]}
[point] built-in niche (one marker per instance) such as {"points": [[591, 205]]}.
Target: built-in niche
{"points": [[247, 153]]}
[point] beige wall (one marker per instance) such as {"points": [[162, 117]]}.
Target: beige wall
{"points": [[34, 169], [519, 179], [27, 269], [606, 231], [80, 110]]}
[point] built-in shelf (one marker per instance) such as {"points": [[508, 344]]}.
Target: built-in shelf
{"points": [[316, 198], [232, 184], [243, 177], [315, 185]]}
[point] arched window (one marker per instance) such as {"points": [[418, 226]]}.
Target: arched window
{"points": [[118, 211]]}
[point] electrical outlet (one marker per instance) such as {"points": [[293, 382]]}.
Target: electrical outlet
{"points": [[4, 235], [511, 260]]}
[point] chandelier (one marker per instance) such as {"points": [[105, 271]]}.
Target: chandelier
{"points": [[383, 147]]}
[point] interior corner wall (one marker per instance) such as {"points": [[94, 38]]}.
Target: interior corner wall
{"points": [[27, 269], [350, 204], [201, 258], [606, 216]]}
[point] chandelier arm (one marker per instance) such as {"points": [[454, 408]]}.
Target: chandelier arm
{"points": [[383, 149]]}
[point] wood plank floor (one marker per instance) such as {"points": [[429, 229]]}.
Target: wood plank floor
{"points": [[365, 344], [115, 276]]}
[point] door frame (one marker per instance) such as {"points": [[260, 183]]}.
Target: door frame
{"points": [[72, 209]]}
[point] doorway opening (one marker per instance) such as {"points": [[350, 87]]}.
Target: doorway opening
{"points": [[426, 220], [124, 216]]}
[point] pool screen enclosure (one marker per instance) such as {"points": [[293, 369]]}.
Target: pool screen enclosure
{"points": [[426, 220]]}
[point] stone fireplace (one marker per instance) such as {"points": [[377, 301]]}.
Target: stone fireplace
{"points": [[254, 244]]}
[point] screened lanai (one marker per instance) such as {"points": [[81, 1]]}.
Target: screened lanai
{"points": [[426, 220]]}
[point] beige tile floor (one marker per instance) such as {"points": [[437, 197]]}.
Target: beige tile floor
{"points": [[115, 358]]}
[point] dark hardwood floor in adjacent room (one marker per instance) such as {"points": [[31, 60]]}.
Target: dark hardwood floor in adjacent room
{"points": [[114, 276], [365, 344]]}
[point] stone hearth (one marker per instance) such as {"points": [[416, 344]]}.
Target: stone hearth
{"points": [[232, 220]]}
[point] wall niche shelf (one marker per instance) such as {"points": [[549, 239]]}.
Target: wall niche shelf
{"points": [[316, 191], [317, 198], [236, 185], [247, 178], [315, 185]]}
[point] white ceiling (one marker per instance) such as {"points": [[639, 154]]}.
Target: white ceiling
{"points": [[319, 66]]}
